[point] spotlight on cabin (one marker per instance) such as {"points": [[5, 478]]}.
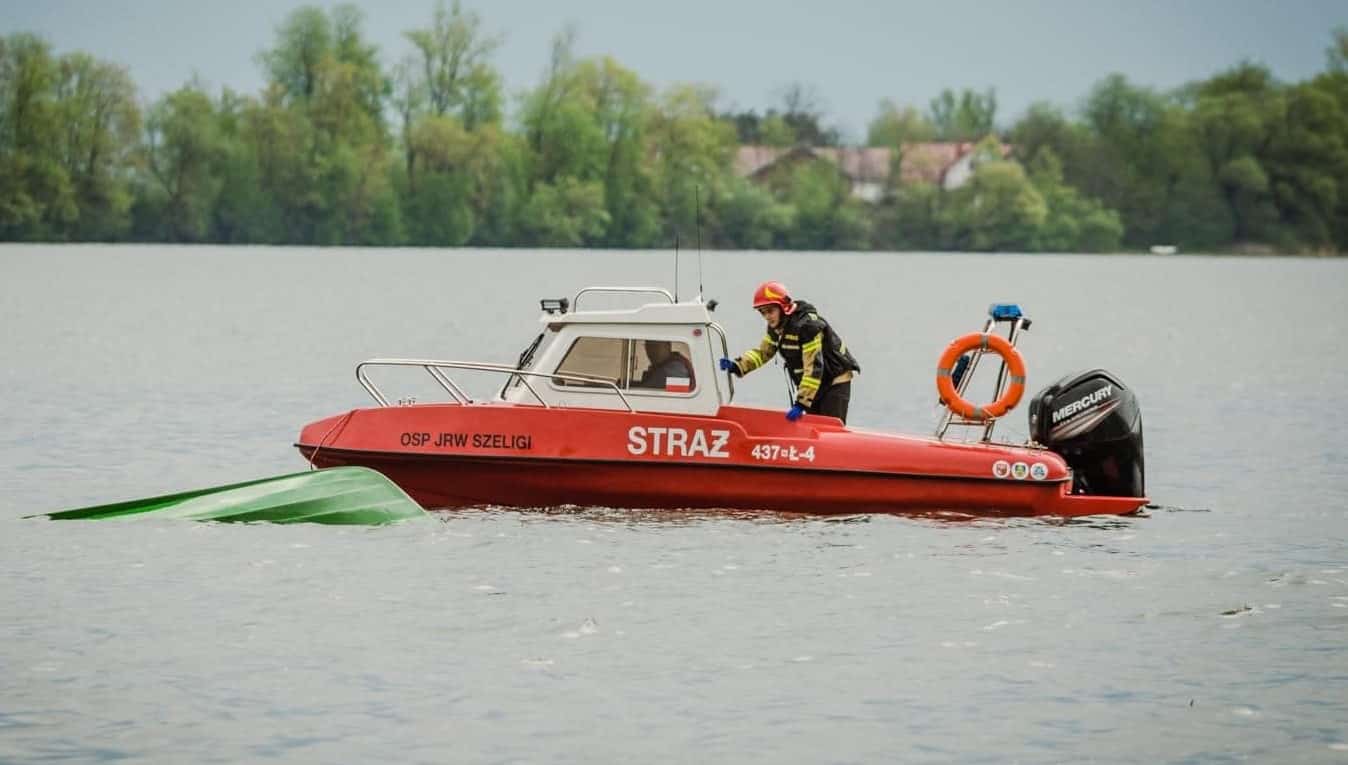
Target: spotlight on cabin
{"points": [[554, 305]]}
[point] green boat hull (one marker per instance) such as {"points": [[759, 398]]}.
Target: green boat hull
{"points": [[342, 495]]}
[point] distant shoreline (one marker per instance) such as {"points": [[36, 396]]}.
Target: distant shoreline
{"points": [[347, 147], [653, 251]]}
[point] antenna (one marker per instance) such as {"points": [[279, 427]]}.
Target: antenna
{"points": [[697, 196], [676, 265]]}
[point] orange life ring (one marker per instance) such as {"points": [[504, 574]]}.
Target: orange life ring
{"points": [[945, 383]]}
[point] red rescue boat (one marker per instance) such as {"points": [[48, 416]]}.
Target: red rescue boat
{"points": [[625, 408]]}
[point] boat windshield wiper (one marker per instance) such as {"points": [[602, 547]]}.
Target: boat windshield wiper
{"points": [[527, 355], [526, 358]]}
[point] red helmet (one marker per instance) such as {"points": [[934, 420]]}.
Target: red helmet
{"points": [[774, 293]]}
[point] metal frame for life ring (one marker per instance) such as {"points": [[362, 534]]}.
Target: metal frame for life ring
{"points": [[982, 342]]}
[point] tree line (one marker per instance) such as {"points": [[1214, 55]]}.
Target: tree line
{"points": [[341, 149]]}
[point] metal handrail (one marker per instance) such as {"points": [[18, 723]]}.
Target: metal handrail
{"points": [[725, 352], [448, 384], [435, 368], [575, 302]]}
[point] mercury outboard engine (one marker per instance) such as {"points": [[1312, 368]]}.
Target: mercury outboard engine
{"points": [[1094, 422]]}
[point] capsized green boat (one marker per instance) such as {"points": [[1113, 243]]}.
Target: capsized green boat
{"points": [[340, 495]]}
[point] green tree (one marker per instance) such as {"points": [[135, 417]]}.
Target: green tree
{"points": [[1072, 223], [1044, 127], [776, 131], [454, 74], [1307, 163], [751, 218], [351, 158], [621, 109], [914, 218], [803, 113], [309, 41], [283, 147], [771, 129], [100, 122], [563, 137], [318, 132], [967, 117], [439, 202], [1133, 156], [1334, 85], [587, 123], [303, 41], [37, 198], [693, 154], [1234, 113], [183, 150], [1336, 57], [895, 126], [245, 210], [566, 213], [825, 218], [501, 189], [997, 210]]}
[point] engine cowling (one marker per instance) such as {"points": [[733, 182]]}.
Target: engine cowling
{"points": [[1093, 420]]}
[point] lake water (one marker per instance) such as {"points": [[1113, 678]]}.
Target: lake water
{"points": [[1214, 629]]}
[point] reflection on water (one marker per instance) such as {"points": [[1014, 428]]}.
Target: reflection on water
{"points": [[653, 516], [1213, 621], [694, 516]]}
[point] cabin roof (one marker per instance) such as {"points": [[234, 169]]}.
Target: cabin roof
{"points": [[692, 313]]}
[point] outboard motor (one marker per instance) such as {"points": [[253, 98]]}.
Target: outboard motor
{"points": [[1094, 422]]}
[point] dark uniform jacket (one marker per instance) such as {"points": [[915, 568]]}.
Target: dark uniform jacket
{"points": [[814, 354]]}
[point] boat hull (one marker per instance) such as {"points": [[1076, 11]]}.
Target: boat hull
{"points": [[456, 482], [452, 456]]}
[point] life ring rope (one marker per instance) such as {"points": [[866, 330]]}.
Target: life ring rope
{"points": [[984, 342]]}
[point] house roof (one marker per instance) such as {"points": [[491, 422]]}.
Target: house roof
{"points": [[925, 162]]}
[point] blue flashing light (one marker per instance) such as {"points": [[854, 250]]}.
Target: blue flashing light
{"points": [[1004, 311]]}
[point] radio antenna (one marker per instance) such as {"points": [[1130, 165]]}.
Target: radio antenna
{"points": [[697, 197], [676, 265]]}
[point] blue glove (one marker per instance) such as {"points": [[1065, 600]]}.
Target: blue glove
{"points": [[795, 412], [729, 366]]}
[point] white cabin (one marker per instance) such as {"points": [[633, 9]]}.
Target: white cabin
{"points": [[661, 356]]}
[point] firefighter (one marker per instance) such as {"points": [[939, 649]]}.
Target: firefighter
{"points": [[816, 358]]}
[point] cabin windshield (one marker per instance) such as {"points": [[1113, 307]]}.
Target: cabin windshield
{"points": [[639, 365], [603, 358]]}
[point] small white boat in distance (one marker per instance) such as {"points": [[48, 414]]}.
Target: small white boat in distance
{"points": [[1164, 249]]}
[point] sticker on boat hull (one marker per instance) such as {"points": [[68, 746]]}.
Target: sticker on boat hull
{"points": [[1001, 469], [1020, 471], [1039, 471], [445, 440]]}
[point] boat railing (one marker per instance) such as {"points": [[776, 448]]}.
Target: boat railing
{"points": [[436, 369], [575, 302], [725, 353]]}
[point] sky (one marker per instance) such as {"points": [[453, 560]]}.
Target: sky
{"points": [[852, 53]]}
